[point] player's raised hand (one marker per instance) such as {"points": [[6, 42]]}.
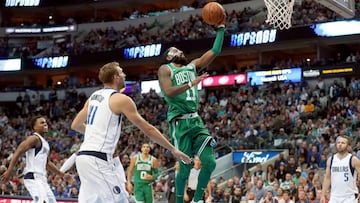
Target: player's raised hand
{"points": [[222, 23], [198, 79]]}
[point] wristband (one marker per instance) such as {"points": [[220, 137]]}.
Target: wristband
{"points": [[221, 26], [190, 84]]}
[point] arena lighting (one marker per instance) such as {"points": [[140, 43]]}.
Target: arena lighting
{"points": [[10, 64], [338, 28], [253, 38], [20, 3], [145, 51]]}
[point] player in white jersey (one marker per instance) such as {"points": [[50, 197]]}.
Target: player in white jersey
{"points": [[341, 173], [100, 121], [119, 169], [37, 150]]}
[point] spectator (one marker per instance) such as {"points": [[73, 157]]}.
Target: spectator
{"points": [[285, 184], [286, 198], [236, 197], [259, 173], [269, 198], [259, 190], [302, 197]]}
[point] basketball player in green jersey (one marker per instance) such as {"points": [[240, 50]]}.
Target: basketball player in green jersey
{"points": [[145, 169], [178, 82]]}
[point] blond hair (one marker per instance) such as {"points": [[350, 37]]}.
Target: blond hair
{"points": [[107, 72]]}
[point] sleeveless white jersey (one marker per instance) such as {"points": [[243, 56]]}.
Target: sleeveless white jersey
{"points": [[343, 178], [103, 127], [36, 158]]}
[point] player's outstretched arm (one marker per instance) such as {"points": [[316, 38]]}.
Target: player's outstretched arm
{"points": [[327, 181], [30, 142], [52, 167], [69, 163], [169, 89], [78, 123], [120, 103], [210, 55]]}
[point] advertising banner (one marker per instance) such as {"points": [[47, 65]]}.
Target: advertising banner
{"points": [[253, 156]]}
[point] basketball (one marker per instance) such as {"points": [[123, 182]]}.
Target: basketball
{"points": [[213, 13]]}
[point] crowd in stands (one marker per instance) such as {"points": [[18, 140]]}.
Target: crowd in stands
{"points": [[97, 40], [308, 12], [295, 116]]}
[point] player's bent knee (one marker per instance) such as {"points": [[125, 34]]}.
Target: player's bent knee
{"points": [[208, 165]]}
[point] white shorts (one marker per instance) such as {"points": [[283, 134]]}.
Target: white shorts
{"points": [[344, 199], [99, 180], [38, 188], [120, 172]]}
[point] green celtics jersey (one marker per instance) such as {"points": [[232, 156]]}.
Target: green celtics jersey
{"points": [[142, 167], [188, 101]]}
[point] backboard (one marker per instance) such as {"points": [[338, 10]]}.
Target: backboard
{"points": [[345, 8]]}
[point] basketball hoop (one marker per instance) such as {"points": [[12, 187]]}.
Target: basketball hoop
{"points": [[279, 13]]}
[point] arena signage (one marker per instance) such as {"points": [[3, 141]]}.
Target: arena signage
{"points": [[10, 64], [130, 87], [52, 62], [20, 3], [215, 81], [146, 86], [311, 73], [13, 30], [280, 75], [337, 70], [253, 38], [59, 29], [145, 51], [22, 30], [253, 156]]}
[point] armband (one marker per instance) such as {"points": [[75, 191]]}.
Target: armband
{"points": [[155, 174], [216, 49]]}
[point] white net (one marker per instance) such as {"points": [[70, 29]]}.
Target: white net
{"points": [[279, 13]]}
